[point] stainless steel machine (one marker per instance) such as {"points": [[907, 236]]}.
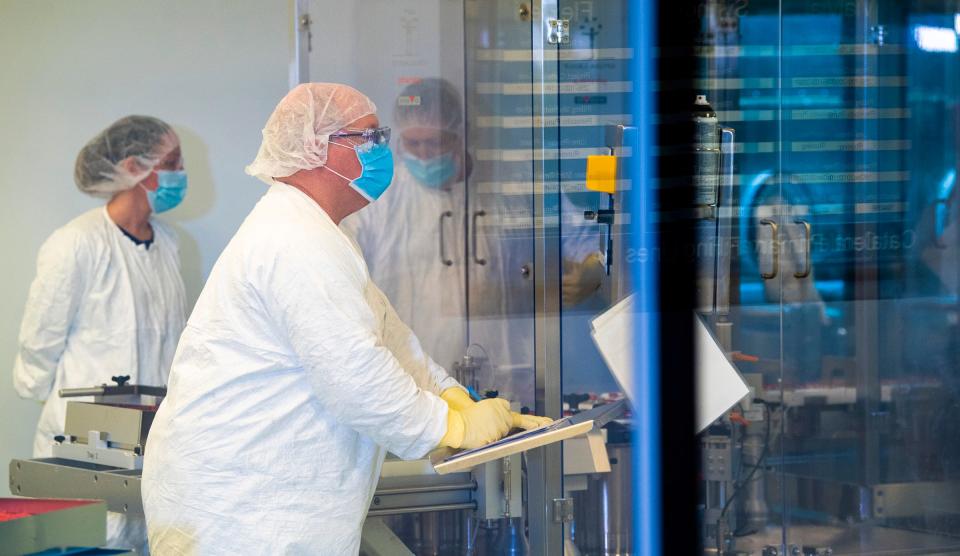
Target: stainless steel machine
{"points": [[100, 457], [413, 511]]}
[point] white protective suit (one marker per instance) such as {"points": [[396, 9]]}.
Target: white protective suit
{"points": [[293, 378], [400, 237], [100, 306]]}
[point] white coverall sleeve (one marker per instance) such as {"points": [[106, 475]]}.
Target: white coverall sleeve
{"points": [[334, 333], [406, 347], [52, 304]]}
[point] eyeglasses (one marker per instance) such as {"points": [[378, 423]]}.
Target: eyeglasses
{"points": [[377, 136]]}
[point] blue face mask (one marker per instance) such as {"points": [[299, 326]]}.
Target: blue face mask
{"points": [[171, 189], [433, 172], [376, 160]]}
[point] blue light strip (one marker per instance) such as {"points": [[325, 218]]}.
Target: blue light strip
{"points": [[647, 477]]}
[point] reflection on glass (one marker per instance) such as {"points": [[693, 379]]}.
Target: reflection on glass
{"points": [[846, 320], [593, 77], [412, 237], [499, 211]]}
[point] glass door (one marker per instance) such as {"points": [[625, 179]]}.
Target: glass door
{"points": [[512, 220], [416, 233], [500, 220], [870, 96], [592, 236], [732, 122]]}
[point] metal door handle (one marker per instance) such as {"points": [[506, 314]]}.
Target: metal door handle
{"points": [[443, 245], [806, 259], [476, 215], [776, 249]]}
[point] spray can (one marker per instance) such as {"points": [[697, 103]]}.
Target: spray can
{"points": [[706, 174]]}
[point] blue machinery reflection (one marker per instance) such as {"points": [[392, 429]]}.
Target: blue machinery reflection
{"points": [[845, 298]]}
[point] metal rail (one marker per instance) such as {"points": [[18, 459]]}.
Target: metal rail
{"points": [[421, 509], [471, 485]]}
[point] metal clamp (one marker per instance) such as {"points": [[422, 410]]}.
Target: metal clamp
{"points": [[562, 510], [305, 23], [806, 259], [523, 12], [477, 215], [879, 34], [443, 248], [776, 249], [558, 31]]}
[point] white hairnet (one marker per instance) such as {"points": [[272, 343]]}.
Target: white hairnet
{"points": [[430, 102], [296, 134], [100, 170]]}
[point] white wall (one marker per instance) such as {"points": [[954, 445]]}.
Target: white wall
{"points": [[214, 69], [406, 41]]}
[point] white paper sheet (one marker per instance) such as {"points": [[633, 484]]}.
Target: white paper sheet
{"points": [[719, 386], [612, 331]]}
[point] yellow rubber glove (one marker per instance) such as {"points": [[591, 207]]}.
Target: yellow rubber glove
{"points": [[478, 425], [457, 398], [527, 422], [581, 279]]}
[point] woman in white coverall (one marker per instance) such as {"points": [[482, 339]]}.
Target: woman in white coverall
{"points": [[108, 298], [414, 235], [294, 375]]}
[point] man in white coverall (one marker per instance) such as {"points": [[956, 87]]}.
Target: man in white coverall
{"points": [[294, 375]]}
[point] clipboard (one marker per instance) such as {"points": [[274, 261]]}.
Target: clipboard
{"points": [[568, 427]]}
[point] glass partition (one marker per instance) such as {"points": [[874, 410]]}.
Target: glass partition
{"points": [[844, 311], [594, 88], [500, 221], [731, 120], [513, 263], [814, 151], [870, 361], [414, 237]]}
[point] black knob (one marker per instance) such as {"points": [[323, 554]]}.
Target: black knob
{"points": [[59, 438], [121, 380], [490, 394], [524, 410], [605, 217]]}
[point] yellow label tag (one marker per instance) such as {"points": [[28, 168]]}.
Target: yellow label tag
{"points": [[602, 173]]}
